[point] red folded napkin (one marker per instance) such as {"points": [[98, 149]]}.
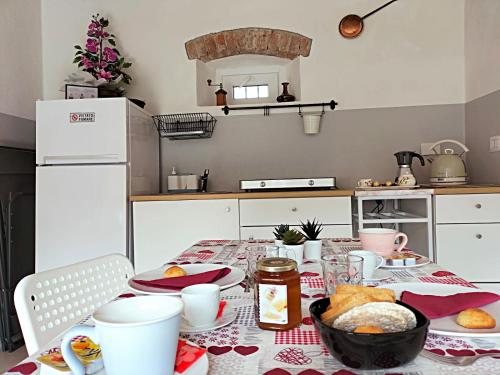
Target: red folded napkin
{"points": [[184, 281], [434, 307], [187, 354]]}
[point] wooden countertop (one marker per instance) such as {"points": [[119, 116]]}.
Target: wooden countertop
{"points": [[465, 189], [242, 195]]}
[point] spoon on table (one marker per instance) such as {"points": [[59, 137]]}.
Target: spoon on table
{"points": [[352, 25]]}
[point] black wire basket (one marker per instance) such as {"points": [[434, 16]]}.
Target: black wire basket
{"points": [[185, 125]]}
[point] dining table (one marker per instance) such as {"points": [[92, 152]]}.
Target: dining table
{"points": [[242, 348]]}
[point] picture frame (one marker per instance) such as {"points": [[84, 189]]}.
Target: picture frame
{"points": [[81, 92]]}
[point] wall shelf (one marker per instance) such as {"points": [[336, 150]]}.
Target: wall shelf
{"points": [[267, 108]]}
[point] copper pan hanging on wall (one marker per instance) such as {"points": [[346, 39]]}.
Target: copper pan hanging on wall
{"points": [[352, 25]]}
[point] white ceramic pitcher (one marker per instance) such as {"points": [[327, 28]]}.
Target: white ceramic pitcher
{"points": [[137, 335]]}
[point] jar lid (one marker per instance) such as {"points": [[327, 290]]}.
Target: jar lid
{"points": [[276, 265]]}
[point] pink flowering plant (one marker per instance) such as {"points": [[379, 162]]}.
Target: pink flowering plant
{"points": [[100, 57]]}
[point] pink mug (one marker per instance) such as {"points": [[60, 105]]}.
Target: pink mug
{"points": [[381, 240]]}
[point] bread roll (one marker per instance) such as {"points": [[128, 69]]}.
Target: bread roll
{"points": [[174, 271], [368, 329], [343, 304], [391, 317], [476, 319], [381, 294]]}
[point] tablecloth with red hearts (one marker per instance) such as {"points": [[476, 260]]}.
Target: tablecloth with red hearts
{"points": [[241, 348]]}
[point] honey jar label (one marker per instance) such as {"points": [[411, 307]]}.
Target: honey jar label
{"points": [[273, 304]]}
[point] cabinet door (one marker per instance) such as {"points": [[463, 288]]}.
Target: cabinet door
{"points": [[467, 208], [469, 250], [265, 233], [267, 212], [163, 230]]}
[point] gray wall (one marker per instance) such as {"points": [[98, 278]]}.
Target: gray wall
{"points": [[352, 144], [482, 122]]}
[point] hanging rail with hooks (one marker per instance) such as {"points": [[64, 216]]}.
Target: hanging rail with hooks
{"points": [[267, 108]]}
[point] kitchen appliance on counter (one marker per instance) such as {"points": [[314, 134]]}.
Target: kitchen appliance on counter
{"points": [[314, 183], [91, 154], [448, 168], [405, 173], [187, 183]]}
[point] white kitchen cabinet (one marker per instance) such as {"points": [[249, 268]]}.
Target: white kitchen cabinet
{"points": [[467, 208], [164, 229], [329, 231], [470, 250], [467, 234], [272, 212]]}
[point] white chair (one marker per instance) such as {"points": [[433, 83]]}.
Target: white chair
{"points": [[49, 302]]}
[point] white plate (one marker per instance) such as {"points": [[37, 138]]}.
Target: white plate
{"points": [[228, 316], [447, 325], [235, 277], [379, 275], [421, 261]]}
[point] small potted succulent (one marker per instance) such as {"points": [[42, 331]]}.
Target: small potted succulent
{"points": [[294, 245], [312, 246], [278, 234]]}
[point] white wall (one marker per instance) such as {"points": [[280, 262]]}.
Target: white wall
{"points": [[20, 57], [411, 53], [482, 47]]}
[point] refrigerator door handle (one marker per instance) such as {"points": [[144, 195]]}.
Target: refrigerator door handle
{"points": [[76, 159]]}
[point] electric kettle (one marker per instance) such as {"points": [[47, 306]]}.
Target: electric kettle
{"points": [[448, 168]]}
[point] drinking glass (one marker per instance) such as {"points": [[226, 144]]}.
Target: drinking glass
{"points": [[341, 269], [253, 255]]}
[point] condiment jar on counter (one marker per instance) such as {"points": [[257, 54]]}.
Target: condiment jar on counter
{"points": [[277, 294]]}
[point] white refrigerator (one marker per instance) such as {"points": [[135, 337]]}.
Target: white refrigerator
{"points": [[91, 154]]}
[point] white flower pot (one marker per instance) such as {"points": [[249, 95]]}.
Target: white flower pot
{"points": [[311, 122], [295, 252], [278, 243], [312, 249]]}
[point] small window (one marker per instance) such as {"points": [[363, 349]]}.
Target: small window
{"points": [[251, 92], [250, 88]]}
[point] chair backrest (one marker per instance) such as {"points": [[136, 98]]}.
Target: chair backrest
{"points": [[49, 302]]}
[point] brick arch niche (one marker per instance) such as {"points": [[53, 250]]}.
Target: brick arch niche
{"points": [[250, 40]]}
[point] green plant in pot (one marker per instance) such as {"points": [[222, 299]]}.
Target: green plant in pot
{"points": [[101, 59], [278, 233], [312, 246], [293, 241]]}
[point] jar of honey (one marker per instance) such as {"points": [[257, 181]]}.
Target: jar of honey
{"points": [[277, 294]]}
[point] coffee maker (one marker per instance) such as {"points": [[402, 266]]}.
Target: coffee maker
{"points": [[405, 175]]}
